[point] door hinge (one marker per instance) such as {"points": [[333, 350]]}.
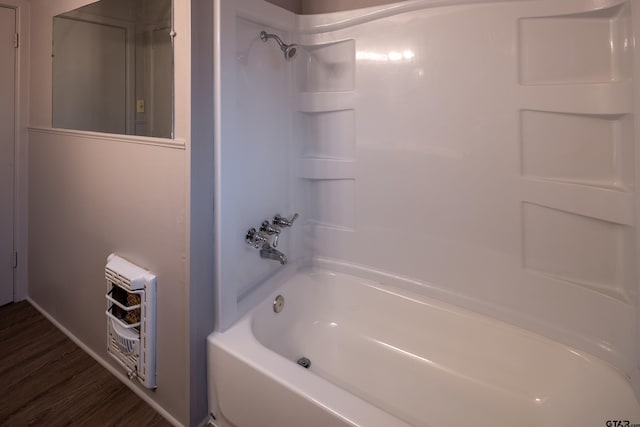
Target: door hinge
{"points": [[16, 40], [15, 260]]}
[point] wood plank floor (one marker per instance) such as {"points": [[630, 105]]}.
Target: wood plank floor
{"points": [[47, 380]]}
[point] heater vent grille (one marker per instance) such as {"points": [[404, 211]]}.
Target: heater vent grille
{"points": [[117, 279], [131, 318], [128, 359]]}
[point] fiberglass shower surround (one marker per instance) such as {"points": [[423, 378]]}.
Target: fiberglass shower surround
{"points": [[482, 154]]}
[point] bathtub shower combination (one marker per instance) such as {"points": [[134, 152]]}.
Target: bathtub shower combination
{"points": [[466, 246]]}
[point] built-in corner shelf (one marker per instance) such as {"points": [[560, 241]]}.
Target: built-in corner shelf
{"points": [[326, 103], [327, 67]]}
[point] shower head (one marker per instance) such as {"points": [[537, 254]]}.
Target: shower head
{"points": [[289, 50]]}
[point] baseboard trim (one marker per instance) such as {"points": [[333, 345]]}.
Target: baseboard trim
{"points": [[120, 375]]}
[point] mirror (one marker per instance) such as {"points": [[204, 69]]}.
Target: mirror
{"points": [[113, 68]]}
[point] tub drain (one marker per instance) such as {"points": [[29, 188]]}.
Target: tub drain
{"points": [[304, 362]]}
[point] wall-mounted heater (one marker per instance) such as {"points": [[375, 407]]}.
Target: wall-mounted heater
{"points": [[131, 318]]}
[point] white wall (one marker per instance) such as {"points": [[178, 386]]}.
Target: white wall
{"points": [[485, 155], [89, 197], [92, 194]]}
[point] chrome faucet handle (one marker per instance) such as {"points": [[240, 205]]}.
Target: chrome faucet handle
{"points": [[255, 238], [281, 221], [270, 230]]}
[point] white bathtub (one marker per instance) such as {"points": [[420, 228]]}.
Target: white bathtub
{"points": [[384, 357]]}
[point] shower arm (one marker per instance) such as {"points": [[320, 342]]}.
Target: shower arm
{"points": [[264, 36]]}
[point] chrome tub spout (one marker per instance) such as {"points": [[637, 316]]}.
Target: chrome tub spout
{"points": [[269, 252]]}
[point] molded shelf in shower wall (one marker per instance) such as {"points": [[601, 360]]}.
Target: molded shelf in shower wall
{"points": [[591, 47], [327, 166], [328, 170], [579, 250], [326, 103], [591, 150], [325, 77], [578, 202], [328, 135], [332, 203], [327, 67], [578, 150]]}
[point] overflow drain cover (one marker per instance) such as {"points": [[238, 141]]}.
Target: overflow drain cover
{"points": [[304, 362], [278, 304]]}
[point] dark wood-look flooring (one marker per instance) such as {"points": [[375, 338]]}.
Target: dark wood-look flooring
{"points": [[47, 380]]}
